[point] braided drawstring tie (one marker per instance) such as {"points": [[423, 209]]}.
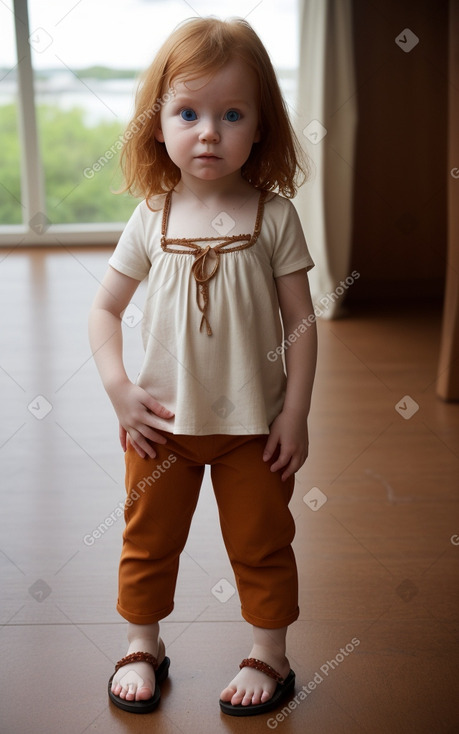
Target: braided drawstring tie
{"points": [[202, 277]]}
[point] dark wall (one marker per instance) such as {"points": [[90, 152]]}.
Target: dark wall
{"points": [[399, 231]]}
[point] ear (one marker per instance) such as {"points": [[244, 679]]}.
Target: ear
{"points": [[159, 135]]}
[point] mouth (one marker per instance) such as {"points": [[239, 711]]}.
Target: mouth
{"points": [[209, 156]]}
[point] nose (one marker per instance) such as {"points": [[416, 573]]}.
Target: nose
{"points": [[209, 132]]}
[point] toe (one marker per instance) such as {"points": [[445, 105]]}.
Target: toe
{"points": [[257, 696], [143, 694], [265, 696], [131, 691], [247, 697], [227, 693], [237, 698]]}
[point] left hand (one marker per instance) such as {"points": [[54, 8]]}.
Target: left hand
{"points": [[289, 431]]}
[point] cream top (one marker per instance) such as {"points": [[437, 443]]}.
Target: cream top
{"points": [[209, 323]]}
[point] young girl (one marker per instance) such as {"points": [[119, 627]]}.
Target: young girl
{"points": [[222, 253]]}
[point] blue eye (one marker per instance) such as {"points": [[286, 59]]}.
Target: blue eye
{"points": [[232, 116], [188, 114]]}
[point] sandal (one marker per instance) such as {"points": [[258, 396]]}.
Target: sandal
{"points": [[283, 688], [149, 704]]}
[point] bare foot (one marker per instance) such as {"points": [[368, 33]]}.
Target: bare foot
{"points": [[251, 686], [136, 681]]}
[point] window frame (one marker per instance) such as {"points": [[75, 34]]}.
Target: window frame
{"points": [[32, 175]]}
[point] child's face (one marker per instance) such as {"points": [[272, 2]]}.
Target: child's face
{"points": [[210, 124]]}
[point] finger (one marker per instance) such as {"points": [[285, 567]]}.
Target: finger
{"points": [[152, 435], [137, 448], [123, 437], [270, 447], [295, 463], [141, 444], [283, 459], [290, 469], [158, 437], [286, 474], [146, 446], [160, 410]]}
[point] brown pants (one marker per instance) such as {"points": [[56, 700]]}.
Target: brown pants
{"points": [[256, 524]]}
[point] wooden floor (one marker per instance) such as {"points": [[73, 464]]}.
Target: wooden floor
{"points": [[376, 508]]}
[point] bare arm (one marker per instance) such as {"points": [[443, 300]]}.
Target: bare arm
{"points": [[133, 405], [289, 430]]}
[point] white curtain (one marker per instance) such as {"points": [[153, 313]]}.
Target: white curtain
{"points": [[326, 126]]}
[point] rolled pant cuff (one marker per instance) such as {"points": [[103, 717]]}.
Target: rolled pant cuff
{"points": [[144, 618], [271, 624]]}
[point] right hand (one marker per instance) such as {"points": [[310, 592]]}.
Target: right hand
{"points": [[135, 408]]}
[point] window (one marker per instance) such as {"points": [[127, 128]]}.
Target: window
{"points": [[71, 94], [10, 160]]}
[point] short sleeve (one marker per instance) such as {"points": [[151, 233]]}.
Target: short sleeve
{"points": [[130, 255], [290, 250]]}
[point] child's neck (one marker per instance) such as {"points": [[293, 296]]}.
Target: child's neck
{"points": [[201, 208], [225, 189]]}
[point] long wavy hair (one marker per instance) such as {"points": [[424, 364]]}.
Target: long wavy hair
{"points": [[200, 47]]}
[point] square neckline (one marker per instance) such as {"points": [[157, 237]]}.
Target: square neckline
{"points": [[225, 240]]}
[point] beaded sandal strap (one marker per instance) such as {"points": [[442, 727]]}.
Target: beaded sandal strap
{"points": [[263, 667], [137, 657]]}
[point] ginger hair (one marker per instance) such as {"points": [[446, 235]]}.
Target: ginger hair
{"points": [[200, 47]]}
